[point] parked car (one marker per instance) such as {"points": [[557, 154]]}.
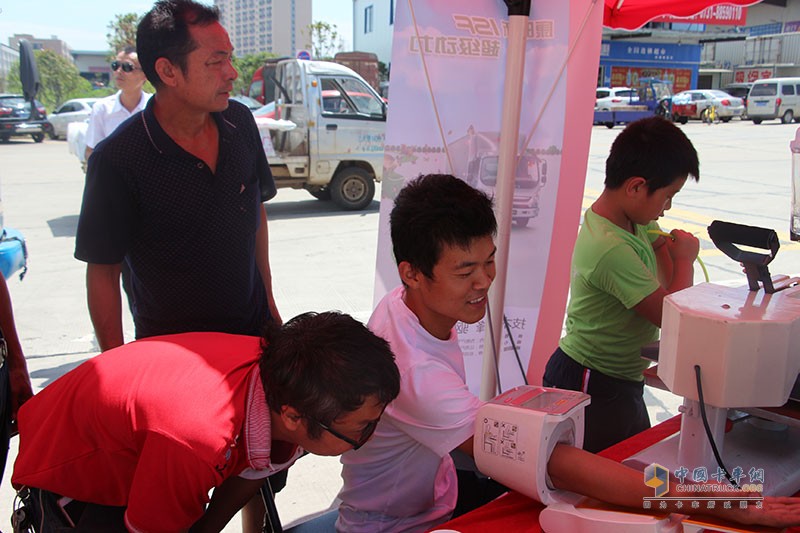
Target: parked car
{"points": [[265, 111], [251, 103], [15, 118], [774, 98], [695, 104], [739, 90], [608, 98], [75, 110]]}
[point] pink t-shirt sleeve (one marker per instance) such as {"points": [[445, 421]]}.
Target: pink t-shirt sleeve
{"points": [[435, 407]]}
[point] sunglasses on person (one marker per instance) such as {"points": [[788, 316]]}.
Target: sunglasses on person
{"points": [[366, 433], [126, 67]]}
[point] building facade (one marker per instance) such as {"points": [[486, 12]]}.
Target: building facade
{"points": [[767, 46], [53, 43], [720, 45], [624, 63], [276, 26], [94, 66], [373, 27]]}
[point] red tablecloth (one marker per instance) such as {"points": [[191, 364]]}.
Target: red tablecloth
{"points": [[516, 513]]}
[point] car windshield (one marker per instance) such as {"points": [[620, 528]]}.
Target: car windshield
{"points": [[661, 90], [527, 172], [720, 94], [12, 101], [246, 100], [737, 91], [764, 89]]}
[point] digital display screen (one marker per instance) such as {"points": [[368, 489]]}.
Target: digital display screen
{"points": [[542, 402]]}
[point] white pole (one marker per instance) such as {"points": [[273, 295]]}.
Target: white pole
{"points": [[504, 190]]}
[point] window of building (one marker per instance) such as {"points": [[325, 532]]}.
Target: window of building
{"points": [[391, 12], [368, 19]]}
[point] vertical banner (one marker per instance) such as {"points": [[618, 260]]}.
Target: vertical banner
{"points": [[448, 62]]}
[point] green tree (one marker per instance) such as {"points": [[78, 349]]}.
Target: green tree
{"points": [[59, 77], [122, 32], [323, 40], [383, 71], [246, 66]]}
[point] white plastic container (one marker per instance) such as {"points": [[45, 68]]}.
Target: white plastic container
{"points": [[794, 224]]}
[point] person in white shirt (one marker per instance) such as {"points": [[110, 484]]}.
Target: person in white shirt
{"points": [[113, 110], [405, 479]]}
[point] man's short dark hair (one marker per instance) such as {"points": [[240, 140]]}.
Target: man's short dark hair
{"points": [[654, 149], [434, 211], [326, 365], [164, 32]]}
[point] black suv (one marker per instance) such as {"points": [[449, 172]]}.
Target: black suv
{"points": [[740, 90], [15, 118]]}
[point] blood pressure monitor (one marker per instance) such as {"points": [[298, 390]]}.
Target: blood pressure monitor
{"points": [[516, 432]]}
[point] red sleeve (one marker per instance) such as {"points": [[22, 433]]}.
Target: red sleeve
{"points": [[170, 487]]}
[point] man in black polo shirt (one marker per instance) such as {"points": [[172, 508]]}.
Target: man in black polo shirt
{"points": [[177, 190]]}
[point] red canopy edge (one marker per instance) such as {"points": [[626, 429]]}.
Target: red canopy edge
{"points": [[633, 14]]}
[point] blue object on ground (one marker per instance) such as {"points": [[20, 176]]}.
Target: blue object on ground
{"points": [[13, 253]]}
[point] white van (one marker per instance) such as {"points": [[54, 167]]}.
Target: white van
{"points": [[774, 98]]}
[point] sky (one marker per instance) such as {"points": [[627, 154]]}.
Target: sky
{"points": [[82, 24]]}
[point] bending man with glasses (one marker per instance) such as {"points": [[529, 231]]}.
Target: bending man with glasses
{"points": [[137, 436]]}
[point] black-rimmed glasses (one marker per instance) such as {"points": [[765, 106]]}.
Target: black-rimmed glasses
{"points": [[366, 433], [126, 67]]}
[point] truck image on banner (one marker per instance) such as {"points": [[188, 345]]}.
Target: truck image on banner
{"points": [[448, 69]]}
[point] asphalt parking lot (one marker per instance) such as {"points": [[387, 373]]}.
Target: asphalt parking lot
{"points": [[324, 258]]}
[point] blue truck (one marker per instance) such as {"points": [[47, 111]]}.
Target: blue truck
{"points": [[655, 98]]}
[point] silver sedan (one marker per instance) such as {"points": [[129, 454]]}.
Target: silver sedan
{"points": [[695, 104], [75, 110]]}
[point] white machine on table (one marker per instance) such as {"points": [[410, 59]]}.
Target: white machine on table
{"points": [[515, 433], [745, 341]]}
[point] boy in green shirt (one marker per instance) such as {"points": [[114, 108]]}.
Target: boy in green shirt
{"points": [[621, 271]]}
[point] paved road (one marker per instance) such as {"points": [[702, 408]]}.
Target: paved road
{"points": [[324, 258]]}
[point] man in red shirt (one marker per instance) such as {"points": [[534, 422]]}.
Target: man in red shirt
{"points": [[137, 437]]}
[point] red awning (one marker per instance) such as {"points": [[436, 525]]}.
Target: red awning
{"points": [[633, 14]]}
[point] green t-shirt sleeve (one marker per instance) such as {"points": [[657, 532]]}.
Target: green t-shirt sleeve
{"points": [[622, 273]]}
